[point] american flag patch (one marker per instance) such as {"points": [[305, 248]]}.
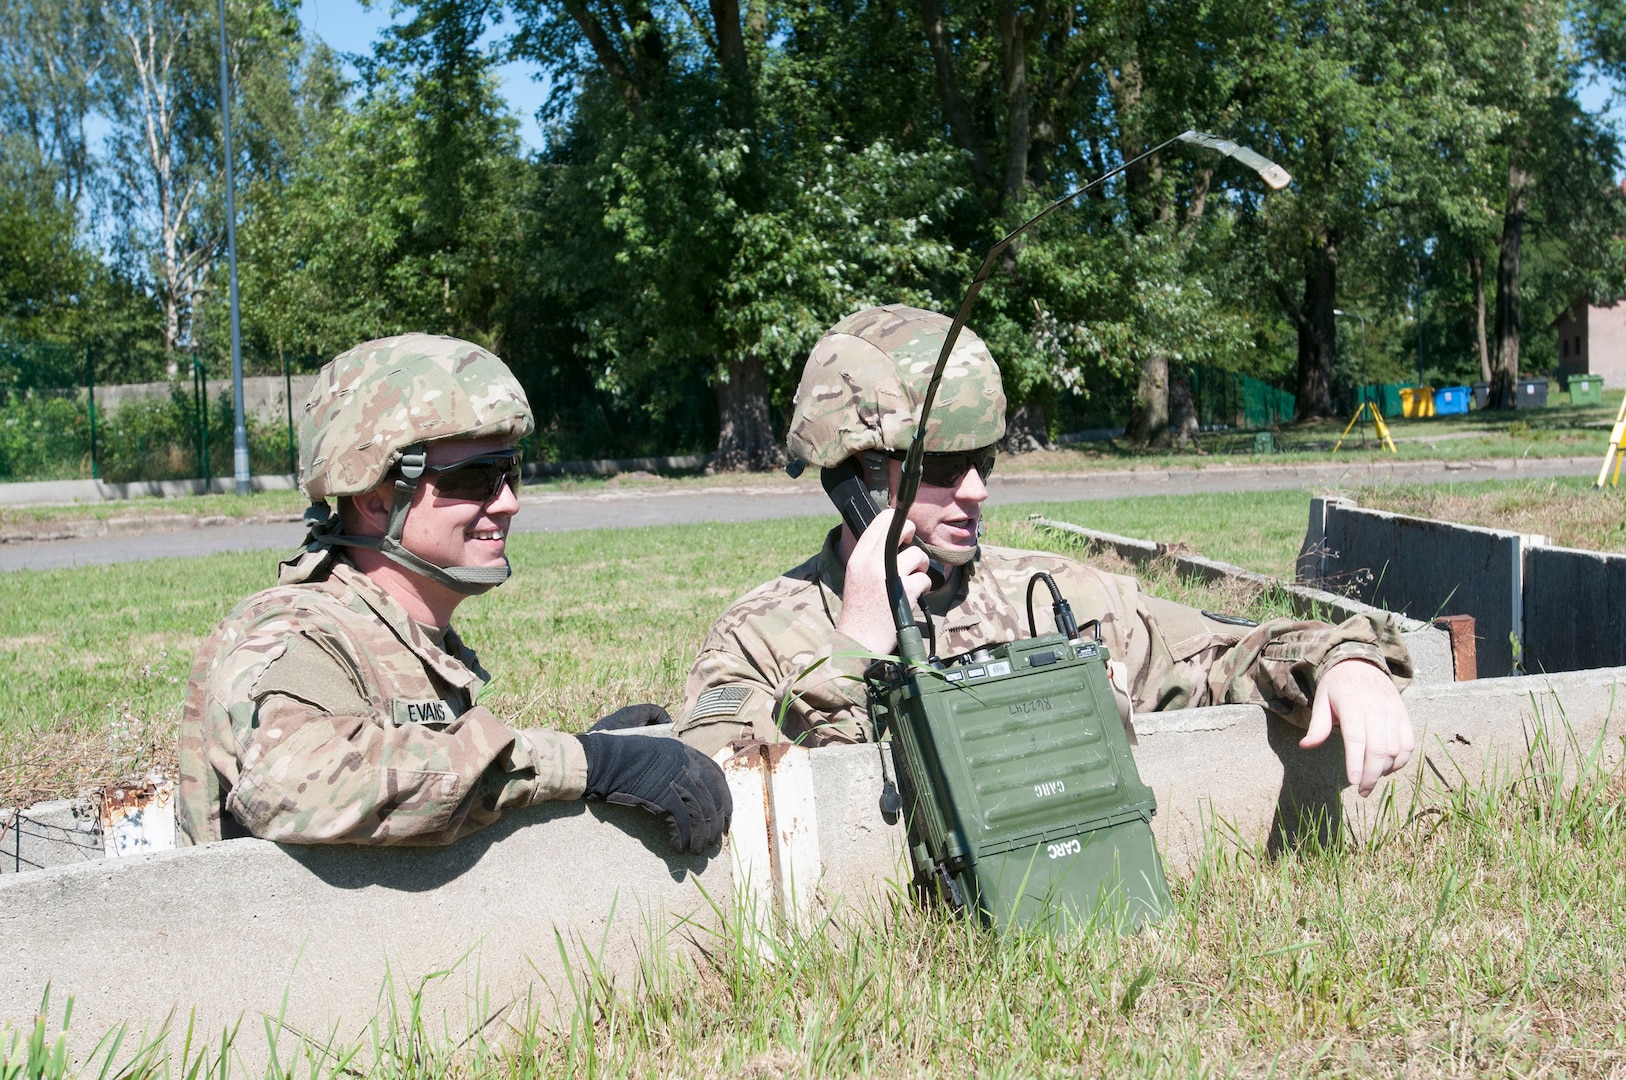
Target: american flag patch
{"points": [[720, 701]]}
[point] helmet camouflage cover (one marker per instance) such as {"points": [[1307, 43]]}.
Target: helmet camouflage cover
{"points": [[866, 379], [375, 401]]}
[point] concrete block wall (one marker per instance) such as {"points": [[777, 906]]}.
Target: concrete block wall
{"points": [[262, 394], [518, 914]]}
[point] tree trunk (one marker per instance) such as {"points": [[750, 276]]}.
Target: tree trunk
{"points": [[745, 436], [1476, 268], [961, 125], [1149, 419], [1013, 38], [1503, 390], [1027, 429], [1183, 413], [1317, 332]]}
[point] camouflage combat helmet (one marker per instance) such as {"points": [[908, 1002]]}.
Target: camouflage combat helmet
{"points": [[372, 412], [372, 403], [861, 394], [866, 379]]}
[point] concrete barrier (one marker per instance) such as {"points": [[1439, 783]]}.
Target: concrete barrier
{"points": [[1574, 609], [1535, 606], [90, 491], [1429, 646], [516, 916], [1425, 569]]}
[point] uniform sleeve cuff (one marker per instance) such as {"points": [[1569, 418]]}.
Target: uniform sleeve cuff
{"points": [[560, 762], [1351, 650]]}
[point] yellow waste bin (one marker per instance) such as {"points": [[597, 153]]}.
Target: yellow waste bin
{"points": [[1416, 401]]}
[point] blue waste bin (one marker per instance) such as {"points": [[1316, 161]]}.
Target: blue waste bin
{"points": [[1449, 400]]}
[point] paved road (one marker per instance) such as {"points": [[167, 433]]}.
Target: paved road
{"points": [[625, 509]]}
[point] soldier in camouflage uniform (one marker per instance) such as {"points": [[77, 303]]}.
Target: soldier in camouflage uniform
{"points": [[786, 660], [341, 706]]}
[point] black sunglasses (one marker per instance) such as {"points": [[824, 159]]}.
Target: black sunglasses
{"points": [[477, 479], [947, 470]]}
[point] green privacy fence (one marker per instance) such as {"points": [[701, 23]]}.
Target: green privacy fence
{"points": [[1235, 400], [51, 428]]}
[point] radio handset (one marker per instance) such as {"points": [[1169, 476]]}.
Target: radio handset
{"points": [[845, 485]]}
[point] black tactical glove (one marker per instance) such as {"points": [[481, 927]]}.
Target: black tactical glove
{"points": [[632, 716], [665, 777]]}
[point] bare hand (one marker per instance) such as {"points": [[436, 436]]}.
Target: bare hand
{"points": [[1360, 698], [866, 616]]}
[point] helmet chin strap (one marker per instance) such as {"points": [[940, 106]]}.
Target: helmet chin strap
{"points": [[467, 580], [950, 556]]}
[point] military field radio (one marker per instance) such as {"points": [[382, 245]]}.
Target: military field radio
{"points": [[1022, 797]]}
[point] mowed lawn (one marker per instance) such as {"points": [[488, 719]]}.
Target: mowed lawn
{"points": [[1480, 933], [94, 661]]}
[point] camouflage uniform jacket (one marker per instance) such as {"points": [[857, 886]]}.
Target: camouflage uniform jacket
{"points": [[778, 648], [322, 713]]}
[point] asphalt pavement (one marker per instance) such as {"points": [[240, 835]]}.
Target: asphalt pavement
{"points": [[629, 508]]}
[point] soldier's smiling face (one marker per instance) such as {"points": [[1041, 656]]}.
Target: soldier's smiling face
{"points": [[947, 516], [459, 531]]}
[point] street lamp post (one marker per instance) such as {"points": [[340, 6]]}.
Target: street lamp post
{"points": [[239, 429], [1362, 394]]}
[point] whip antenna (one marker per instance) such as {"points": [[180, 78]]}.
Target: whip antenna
{"points": [[910, 648]]}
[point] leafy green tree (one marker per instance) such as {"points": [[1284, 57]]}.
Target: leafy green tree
{"points": [[403, 212], [159, 90], [41, 264], [1559, 165], [716, 213]]}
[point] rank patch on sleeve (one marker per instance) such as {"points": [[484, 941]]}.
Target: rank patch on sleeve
{"points": [[720, 701]]}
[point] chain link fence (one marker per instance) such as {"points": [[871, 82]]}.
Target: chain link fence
{"points": [[1231, 399], [58, 423]]}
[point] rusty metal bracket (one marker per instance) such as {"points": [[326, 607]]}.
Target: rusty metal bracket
{"points": [[1464, 656]]}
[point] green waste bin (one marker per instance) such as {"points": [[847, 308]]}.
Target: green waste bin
{"points": [[1586, 390]]}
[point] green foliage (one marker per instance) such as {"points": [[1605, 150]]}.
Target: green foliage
{"points": [[44, 437], [403, 212], [38, 1060], [47, 437], [158, 438], [40, 261], [722, 183]]}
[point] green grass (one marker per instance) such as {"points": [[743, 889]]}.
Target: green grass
{"points": [[94, 660], [1476, 932]]}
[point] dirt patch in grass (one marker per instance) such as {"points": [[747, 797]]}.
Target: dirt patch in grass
{"points": [[1569, 511], [70, 760]]}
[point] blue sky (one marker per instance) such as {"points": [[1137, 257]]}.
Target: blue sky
{"points": [[349, 27]]}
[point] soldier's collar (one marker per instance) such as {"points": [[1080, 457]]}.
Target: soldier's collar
{"points": [[444, 661]]}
